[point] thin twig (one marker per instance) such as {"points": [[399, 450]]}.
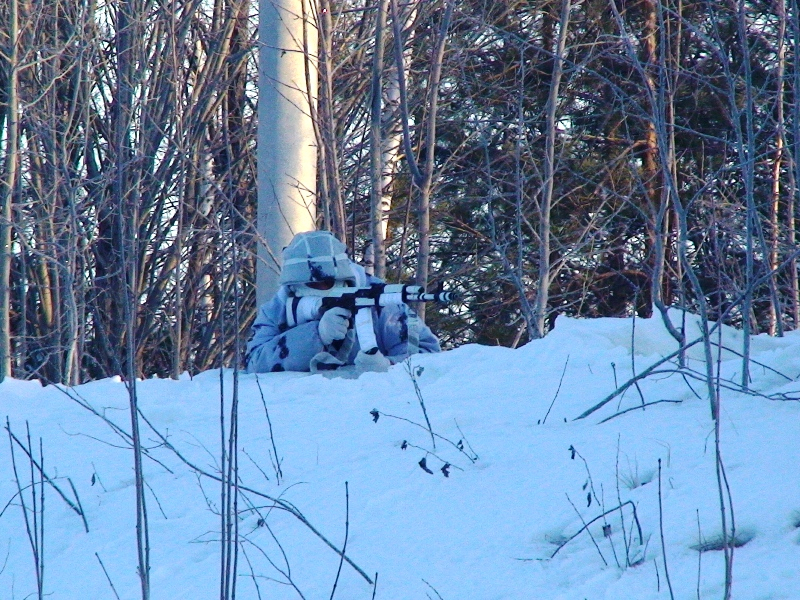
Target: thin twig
{"points": [[255, 464], [560, 381], [158, 502], [277, 465], [597, 518], [375, 586], [252, 572], [607, 529], [81, 512], [472, 458], [438, 595], [627, 410], [585, 527], [49, 480], [111, 583], [41, 511], [32, 535], [588, 472], [622, 514], [14, 497], [633, 359], [661, 528], [346, 533], [433, 454], [411, 374], [286, 574], [699, 553]]}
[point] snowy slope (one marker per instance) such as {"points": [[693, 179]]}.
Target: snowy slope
{"points": [[514, 493]]}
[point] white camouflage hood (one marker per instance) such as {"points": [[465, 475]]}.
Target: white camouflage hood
{"points": [[316, 256]]}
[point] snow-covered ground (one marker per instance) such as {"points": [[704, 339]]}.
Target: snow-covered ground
{"points": [[524, 477]]}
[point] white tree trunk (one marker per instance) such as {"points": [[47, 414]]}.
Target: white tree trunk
{"points": [[375, 258], [287, 163], [542, 295], [775, 316], [390, 142]]}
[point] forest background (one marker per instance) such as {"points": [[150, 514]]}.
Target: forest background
{"points": [[594, 158]]}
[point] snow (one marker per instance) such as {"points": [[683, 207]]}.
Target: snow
{"points": [[488, 531]]}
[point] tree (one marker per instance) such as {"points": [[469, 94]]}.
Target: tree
{"points": [[287, 153], [8, 185]]}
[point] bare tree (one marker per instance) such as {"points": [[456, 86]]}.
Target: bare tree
{"points": [[775, 323], [422, 177], [545, 206], [794, 171], [8, 185], [376, 261], [329, 179]]}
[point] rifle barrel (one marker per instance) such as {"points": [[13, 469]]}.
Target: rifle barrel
{"points": [[443, 297]]}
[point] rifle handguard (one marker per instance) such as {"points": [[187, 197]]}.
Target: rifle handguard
{"points": [[303, 307]]}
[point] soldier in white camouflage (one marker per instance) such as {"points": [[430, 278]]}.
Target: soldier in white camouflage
{"points": [[316, 264]]}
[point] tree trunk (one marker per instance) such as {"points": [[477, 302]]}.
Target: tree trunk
{"points": [[775, 316], [543, 288], [377, 264], [651, 173], [423, 206], [286, 142], [794, 291], [329, 181], [7, 195], [125, 199]]}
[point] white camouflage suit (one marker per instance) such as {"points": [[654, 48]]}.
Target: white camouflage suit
{"points": [[275, 346]]}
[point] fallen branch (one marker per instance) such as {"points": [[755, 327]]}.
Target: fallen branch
{"points": [[646, 373], [755, 362], [78, 509], [597, 518], [641, 406]]}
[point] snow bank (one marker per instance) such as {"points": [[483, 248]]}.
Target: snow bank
{"points": [[523, 476]]}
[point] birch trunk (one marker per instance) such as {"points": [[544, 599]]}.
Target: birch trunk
{"points": [[330, 191], [775, 317], [391, 141], [543, 288], [376, 257], [423, 207]]}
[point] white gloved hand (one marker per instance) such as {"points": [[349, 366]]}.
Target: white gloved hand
{"points": [[334, 324], [372, 362]]}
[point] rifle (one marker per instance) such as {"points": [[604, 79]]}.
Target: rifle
{"points": [[304, 307]]}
